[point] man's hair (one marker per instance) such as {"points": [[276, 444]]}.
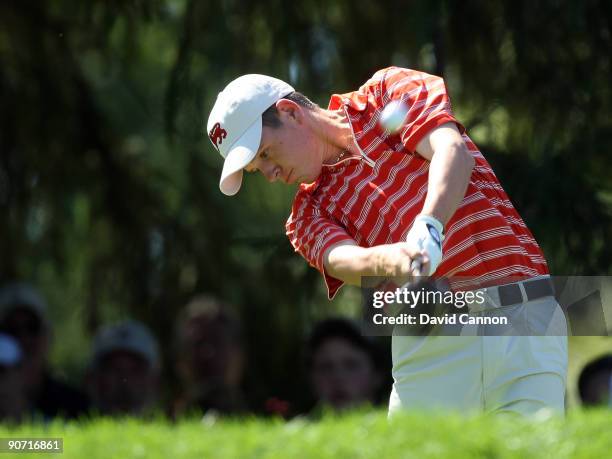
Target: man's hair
{"points": [[339, 328], [270, 117], [208, 309]]}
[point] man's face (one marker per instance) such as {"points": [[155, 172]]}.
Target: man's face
{"points": [[13, 397], [598, 388], [124, 383], [212, 356], [27, 328], [289, 153], [11, 383], [343, 374]]}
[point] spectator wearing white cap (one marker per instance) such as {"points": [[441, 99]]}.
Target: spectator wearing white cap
{"points": [[23, 315], [125, 368], [13, 399]]}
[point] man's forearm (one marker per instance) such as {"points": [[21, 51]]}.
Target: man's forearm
{"points": [[449, 176], [350, 263]]}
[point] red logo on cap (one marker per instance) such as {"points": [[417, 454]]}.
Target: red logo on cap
{"points": [[217, 134]]}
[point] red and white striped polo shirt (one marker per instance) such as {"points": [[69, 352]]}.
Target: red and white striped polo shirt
{"points": [[374, 199]]}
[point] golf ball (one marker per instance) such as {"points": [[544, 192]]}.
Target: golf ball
{"points": [[393, 116]]}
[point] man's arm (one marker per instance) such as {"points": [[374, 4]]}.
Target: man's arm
{"points": [[349, 262], [449, 175], [449, 172]]}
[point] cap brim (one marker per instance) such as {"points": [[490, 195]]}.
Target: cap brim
{"points": [[240, 155]]}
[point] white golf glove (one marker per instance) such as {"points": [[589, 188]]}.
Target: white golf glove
{"points": [[426, 235]]}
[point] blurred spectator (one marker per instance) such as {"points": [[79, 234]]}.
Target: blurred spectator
{"points": [[344, 366], [125, 369], [23, 315], [595, 382], [13, 399], [210, 358]]}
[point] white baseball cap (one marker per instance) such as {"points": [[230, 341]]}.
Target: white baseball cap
{"points": [[234, 124]]}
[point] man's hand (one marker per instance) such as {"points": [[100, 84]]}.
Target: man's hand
{"points": [[426, 237], [349, 262], [403, 260]]}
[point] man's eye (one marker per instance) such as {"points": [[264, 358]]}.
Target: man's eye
{"points": [[264, 154]]}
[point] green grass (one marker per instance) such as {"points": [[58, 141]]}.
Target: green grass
{"points": [[359, 435]]}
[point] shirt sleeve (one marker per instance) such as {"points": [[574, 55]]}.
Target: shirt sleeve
{"points": [[427, 100], [311, 235]]}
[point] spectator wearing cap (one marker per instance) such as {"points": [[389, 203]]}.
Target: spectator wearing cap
{"points": [[344, 366], [124, 374], [23, 315], [595, 382], [210, 359], [13, 398]]}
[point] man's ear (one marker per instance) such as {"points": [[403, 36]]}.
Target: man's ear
{"points": [[288, 108]]}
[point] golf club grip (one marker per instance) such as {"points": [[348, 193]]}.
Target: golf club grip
{"points": [[416, 265]]}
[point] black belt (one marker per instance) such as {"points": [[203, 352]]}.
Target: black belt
{"points": [[534, 289]]}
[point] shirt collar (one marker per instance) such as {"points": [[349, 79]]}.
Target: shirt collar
{"points": [[354, 100]]}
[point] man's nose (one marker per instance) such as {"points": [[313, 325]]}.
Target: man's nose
{"points": [[271, 172]]}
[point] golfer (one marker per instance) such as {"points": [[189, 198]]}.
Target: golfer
{"points": [[421, 200]]}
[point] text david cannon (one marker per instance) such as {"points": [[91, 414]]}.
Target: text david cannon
{"points": [[446, 319]]}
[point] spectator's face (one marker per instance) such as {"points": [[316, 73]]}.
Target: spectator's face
{"points": [[212, 355], [123, 383], [27, 328], [12, 393], [343, 375], [9, 380], [598, 390]]}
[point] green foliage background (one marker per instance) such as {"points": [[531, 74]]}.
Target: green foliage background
{"points": [[108, 185]]}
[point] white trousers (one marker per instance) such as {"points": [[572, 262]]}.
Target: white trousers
{"points": [[503, 373]]}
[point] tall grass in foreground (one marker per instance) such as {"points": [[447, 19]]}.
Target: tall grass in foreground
{"points": [[357, 435]]}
